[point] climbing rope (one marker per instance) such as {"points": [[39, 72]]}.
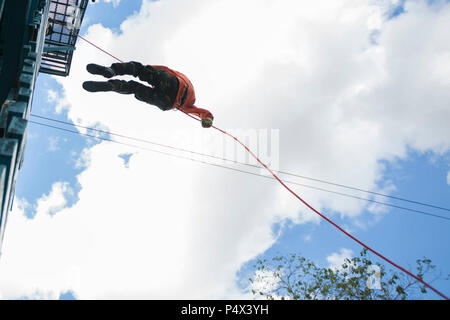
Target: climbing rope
{"points": [[292, 192]]}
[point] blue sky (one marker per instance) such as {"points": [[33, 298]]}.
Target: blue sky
{"points": [[54, 152], [419, 174]]}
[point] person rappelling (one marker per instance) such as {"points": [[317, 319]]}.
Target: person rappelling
{"points": [[169, 89]]}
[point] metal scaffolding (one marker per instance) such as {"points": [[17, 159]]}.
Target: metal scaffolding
{"points": [[64, 15]]}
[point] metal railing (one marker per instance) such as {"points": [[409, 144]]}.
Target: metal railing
{"points": [[63, 15]]}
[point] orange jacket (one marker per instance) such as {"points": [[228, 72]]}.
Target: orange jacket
{"points": [[188, 105]]}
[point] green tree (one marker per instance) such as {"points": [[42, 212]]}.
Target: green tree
{"points": [[358, 278]]}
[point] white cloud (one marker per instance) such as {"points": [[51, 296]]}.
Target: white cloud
{"points": [[448, 178], [52, 95], [168, 228], [377, 208], [337, 259], [56, 200], [83, 160], [115, 3]]}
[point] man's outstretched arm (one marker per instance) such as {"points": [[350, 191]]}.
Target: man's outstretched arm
{"points": [[205, 115]]}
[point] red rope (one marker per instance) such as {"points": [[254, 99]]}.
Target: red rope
{"points": [[299, 198], [323, 216]]}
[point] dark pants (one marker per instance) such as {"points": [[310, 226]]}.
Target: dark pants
{"points": [[164, 86]]}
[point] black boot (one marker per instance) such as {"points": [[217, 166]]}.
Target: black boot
{"points": [[131, 68], [124, 87], [98, 86], [101, 70]]}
